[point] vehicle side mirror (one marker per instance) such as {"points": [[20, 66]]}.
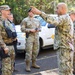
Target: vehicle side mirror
{"points": [[50, 26]]}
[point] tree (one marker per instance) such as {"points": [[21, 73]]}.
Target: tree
{"points": [[20, 7], [2, 1]]}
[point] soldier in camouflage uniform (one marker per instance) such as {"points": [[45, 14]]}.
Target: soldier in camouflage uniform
{"points": [[10, 19], [5, 42], [31, 26], [72, 15], [63, 41]]}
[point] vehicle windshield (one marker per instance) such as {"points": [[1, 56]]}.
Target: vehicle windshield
{"points": [[42, 22]]}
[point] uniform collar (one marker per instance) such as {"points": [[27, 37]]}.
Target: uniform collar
{"points": [[10, 21]]}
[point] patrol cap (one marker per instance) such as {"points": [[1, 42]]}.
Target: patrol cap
{"points": [[72, 11], [5, 7], [29, 9]]}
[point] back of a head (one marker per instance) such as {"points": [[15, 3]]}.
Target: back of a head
{"points": [[72, 14]]}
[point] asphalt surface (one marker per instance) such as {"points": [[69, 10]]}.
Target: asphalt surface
{"points": [[46, 59]]}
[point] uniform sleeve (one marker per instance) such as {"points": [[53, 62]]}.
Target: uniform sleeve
{"points": [[2, 44], [24, 26], [52, 20], [39, 26]]}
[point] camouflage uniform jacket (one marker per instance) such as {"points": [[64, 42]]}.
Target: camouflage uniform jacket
{"points": [[74, 33], [74, 28], [28, 24], [3, 35], [63, 32]]}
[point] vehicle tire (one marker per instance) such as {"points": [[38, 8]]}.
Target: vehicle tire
{"points": [[40, 43]]}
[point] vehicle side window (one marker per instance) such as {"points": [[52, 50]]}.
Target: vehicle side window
{"points": [[42, 22]]}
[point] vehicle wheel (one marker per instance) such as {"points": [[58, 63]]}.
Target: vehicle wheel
{"points": [[39, 47]]}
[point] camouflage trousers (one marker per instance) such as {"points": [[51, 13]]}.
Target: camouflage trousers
{"points": [[74, 56], [65, 61], [32, 49], [8, 63], [12, 56], [6, 66], [74, 62]]}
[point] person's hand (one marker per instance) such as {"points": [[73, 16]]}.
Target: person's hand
{"points": [[35, 10], [33, 30], [6, 50]]}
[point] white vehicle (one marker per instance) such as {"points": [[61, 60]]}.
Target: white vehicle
{"points": [[21, 39], [46, 36]]}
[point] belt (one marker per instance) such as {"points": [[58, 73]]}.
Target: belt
{"points": [[9, 44]]}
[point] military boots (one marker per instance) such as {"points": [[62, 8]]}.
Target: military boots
{"points": [[34, 65], [28, 66]]}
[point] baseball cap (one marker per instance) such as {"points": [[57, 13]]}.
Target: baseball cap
{"points": [[5, 7], [29, 9], [72, 11]]}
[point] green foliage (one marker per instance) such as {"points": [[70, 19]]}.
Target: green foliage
{"points": [[2, 1], [20, 7]]}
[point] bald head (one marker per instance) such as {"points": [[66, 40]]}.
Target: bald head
{"points": [[61, 9], [62, 5]]}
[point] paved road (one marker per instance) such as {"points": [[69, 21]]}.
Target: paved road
{"points": [[46, 59]]}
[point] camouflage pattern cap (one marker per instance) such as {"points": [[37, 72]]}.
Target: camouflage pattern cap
{"points": [[5, 7], [72, 11]]}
